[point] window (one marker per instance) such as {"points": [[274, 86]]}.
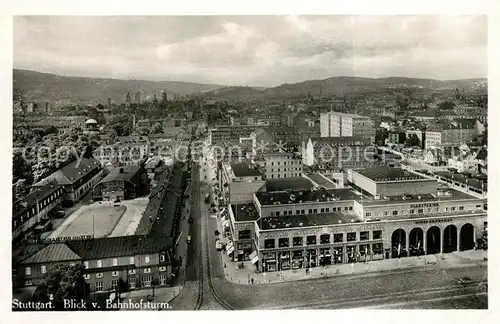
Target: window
{"points": [[368, 214], [297, 212], [453, 208], [86, 264], [162, 257], [327, 210], [315, 210], [350, 207], [364, 236], [146, 281], [99, 263], [163, 280], [303, 211], [420, 211], [146, 259], [322, 210], [298, 241], [269, 243], [115, 262], [338, 238], [445, 209], [131, 271], [461, 208], [386, 213], [377, 235], [28, 271], [277, 213], [351, 236], [412, 211], [115, 273], [43, 269], [311, 240], [99, 286], [131, 260], [324, 239], [147, 270], [86, 276], [28, 283], [284, 242], [244, 235], [310, 211], [394, 212], [163, 269], [346, 208], [334, 209], [114, 283], [99, 275]]}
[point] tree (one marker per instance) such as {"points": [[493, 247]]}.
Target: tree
{"points": [[63, 282], [380, 136], [157, 128], [143, 131], [484, 139], [413, 140], [21, 169]]}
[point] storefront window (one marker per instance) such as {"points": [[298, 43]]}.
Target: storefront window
{"points": [[351, 236], [377, 251], [338, 238], [338, 255], [311, 240], [285, 261], [244, 235], [298, 241], [377, 235], [311, 258], [351, 254], [283, 242], [324, 238], [298, 260], [269, 243]]}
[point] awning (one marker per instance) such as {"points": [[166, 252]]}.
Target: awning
{"points": [[229, 245], [230, 250], [253, 255]]}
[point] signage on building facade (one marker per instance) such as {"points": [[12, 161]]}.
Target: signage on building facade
{"points": [[61, 239], [440, 220], [325, 230]]}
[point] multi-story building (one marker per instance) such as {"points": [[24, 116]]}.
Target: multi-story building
{"points": [[457, 132], [432, 139], [336, 124], [390, 214], [121, 184], [62, 123], [34, 208], [238, 181], [77, 179], [128, 260], [113, 156], [339, 152], [276, 165], [227, 135]]}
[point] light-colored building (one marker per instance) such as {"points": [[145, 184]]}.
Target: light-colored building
{"points": [[336, 124], [276, 165], [238, 181], [432, 139]]}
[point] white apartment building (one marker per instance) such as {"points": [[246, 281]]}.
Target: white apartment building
{"points": [[336, 124]]}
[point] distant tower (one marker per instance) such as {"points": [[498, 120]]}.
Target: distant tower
{"points": [[128, 99], [138, 97], [109, 102], [47, 107], [164, 97], [155, 101]]}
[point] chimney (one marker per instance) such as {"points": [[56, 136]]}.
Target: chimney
{"points": [[121, 170]]}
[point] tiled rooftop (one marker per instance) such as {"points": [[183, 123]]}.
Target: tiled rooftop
{"points": [[128, 173], [269, 223]]}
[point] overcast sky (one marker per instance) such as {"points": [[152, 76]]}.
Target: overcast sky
{"points": [[253, 50]]}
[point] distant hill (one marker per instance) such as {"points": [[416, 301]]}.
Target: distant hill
{"points": [[53, 88], [339, 86]]}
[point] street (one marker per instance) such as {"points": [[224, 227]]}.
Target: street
{"points": [[423, 288]]}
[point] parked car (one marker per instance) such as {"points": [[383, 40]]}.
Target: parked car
{"points": [[217, 232]]}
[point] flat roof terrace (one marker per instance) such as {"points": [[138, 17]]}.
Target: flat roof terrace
{"points": [[386, 173], [294, 221], [297, 196], [320, 180], [245, 212]]}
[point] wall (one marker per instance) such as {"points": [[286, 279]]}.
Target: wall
{"points": [[242, 192], [406, 187]]}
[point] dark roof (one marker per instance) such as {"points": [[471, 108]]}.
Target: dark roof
{"points": [[245, 212], [110, 247], [128, 173], [244, 170], [482, 154], [38, 193], [53, 253], [74, 171], [471, 181], [386, 173], [288, 184], [270, 198], [303, 220]]}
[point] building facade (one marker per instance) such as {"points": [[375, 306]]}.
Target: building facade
{"points": [[336, 124], [276, 165]]}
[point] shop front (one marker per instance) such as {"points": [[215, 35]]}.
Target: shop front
{"points": [[311, 258], [269, 262], [285, 260], [377, 251], [338, 255], [244, 251], [351, 254], [298, 260], [325, 258]]}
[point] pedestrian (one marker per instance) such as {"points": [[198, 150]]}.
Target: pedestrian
{"points": [[252, 281]]}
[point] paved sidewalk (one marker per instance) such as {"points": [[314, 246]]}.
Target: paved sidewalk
{"points": [[164, 294]]}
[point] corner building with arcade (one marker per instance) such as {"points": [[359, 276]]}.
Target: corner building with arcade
{"points": [[383, 213]]}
